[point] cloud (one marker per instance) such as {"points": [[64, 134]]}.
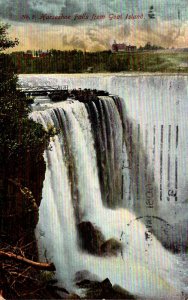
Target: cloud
{"points": [[162, 32], [167, 29], [68, 37], [164, 9], [14, 10], [74, 41]]}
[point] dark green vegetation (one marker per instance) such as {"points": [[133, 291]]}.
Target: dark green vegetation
{"points": [[22, 170], [18, 134], [5, 42], [56, 61]]}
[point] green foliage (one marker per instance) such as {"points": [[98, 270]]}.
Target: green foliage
{"points": [[46, 276], [148, 46], [8, 78], [5, 42], [19, 135], [147, 59]]}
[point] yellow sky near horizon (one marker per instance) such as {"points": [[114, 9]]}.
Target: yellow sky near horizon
{"points": [[100, 37]]}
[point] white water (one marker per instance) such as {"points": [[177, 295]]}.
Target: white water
{"points": [[146, 269]]}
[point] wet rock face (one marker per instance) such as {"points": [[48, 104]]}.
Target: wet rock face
{"points": [[93, 241], [103, 290], [21, 194]]}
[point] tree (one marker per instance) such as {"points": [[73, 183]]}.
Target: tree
{"points": [[5, 42], [18, 134], [151, 14], [7, 70], [22, 143]]}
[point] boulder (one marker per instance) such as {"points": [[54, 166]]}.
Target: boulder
{"points": [[111, 247], [93, 241], [82, 275], [121, 292], [103, 290], [72, 296], [91, 237]]}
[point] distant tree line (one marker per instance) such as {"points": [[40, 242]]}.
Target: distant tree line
{"points": [[56, 61], [149, 46], [77, 61]]}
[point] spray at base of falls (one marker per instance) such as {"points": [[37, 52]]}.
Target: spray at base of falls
{"points": [[94, 160]]}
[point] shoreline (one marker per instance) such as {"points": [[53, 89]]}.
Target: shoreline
{"points": [[119, 74]]}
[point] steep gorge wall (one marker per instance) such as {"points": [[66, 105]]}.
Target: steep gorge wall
{"points": [[21, 192]]}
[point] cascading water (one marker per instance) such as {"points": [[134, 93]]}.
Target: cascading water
{"points": [[85, 179], [155, 162]]}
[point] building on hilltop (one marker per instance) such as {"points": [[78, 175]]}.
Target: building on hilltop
{"points": [[122, 47]]}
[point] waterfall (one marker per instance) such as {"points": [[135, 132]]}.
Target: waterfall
{"points": [[92, 175], [155, 161], [107, 131]]}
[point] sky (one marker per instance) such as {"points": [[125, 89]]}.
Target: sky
{"points": [[93, 25]]}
